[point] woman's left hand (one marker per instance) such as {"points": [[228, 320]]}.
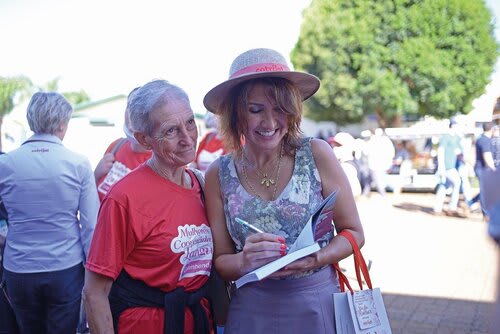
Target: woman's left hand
{"points": [[299, 266]]}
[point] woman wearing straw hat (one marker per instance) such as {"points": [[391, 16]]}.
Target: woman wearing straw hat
{"points": [[274, 179]]}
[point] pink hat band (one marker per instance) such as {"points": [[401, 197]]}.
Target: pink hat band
{"points": [[263, 67], [259, 63]]}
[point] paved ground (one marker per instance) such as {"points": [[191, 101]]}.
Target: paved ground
{"points": [[437, 274]]}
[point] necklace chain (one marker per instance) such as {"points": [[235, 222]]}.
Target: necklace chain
{"points": [[266, 181]]}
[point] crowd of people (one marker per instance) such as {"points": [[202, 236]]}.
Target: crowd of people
{"points": [[367, 163], [136, 238], [129, 246]]}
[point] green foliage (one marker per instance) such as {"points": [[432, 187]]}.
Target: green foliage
{"points": [[10, 89], [13, 89], [51, 85], [389, 57], [76, 98]]}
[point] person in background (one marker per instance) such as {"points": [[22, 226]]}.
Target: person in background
{"points": [[360, 160], [7, 318], [464, 170], [490, 199], [495, 145], [343, 147], [484, 156], [401, 166], [401, 156], [3, 230], [448, 150], [274, 178], [121, 156], [379, 152], [211, 145], [152, 249], [51, 200]]}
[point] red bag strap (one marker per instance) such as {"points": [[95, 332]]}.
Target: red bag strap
{"points": [[343, 281], [359, 261], [359, 265]]}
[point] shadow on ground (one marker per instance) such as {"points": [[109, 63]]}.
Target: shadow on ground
{"points": [[431, 315], [413, 207], [428, 210]]}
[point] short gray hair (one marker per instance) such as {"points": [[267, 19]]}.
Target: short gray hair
{"points": [[147, 99], [46, 112], [127, 112]]}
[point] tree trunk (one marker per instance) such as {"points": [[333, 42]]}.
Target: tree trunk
{"points": [[385, 121], [381, 120], [395, 122]]}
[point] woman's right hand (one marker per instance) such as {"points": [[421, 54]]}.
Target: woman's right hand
{"points": [[260, 249], [104, 166]]}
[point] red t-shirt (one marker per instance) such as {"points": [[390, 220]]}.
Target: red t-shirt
{"points": [[158, 232], [125, 161], [209, 149]]}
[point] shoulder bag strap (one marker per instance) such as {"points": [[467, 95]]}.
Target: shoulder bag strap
{"points": [[118, 145], [201, 180]]}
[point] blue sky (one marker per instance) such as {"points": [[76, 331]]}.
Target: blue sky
{"points": [[107, 47]]}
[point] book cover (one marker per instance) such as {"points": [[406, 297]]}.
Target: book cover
{"points": [[318, 224]]}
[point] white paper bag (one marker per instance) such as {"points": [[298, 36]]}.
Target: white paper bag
{"points": [[361, 313], [343, 318]]}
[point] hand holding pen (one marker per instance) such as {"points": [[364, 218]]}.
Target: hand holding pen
{"points": [[281, 240]]}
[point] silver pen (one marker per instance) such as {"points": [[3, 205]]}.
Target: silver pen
{"points": [[248, 225], [253, 228]]}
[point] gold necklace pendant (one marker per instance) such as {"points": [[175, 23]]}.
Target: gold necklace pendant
{"points": [[267, 181]]}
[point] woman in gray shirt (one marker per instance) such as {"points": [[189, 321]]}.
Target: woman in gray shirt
{"points": [[51, 200]]}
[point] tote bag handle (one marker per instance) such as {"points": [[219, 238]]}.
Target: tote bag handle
{"points": [[359, 266]]}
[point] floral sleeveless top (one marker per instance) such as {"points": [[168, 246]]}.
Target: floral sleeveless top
{"points": [[287, 214]]}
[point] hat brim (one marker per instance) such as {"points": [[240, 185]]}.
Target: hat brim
{"points": [[332, 141], [306, 83]]}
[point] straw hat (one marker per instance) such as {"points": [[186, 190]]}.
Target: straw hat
{"points": [[259, 63]]}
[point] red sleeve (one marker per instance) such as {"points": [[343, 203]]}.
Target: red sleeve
{"points": [[113, 240]]}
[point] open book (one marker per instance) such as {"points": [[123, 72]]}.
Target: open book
{"points": [[318, 225]]}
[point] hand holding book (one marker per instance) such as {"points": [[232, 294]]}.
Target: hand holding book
{"points": [[318, 224]]}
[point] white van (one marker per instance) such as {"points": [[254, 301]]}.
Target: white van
{"points": [[418, 172]]}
